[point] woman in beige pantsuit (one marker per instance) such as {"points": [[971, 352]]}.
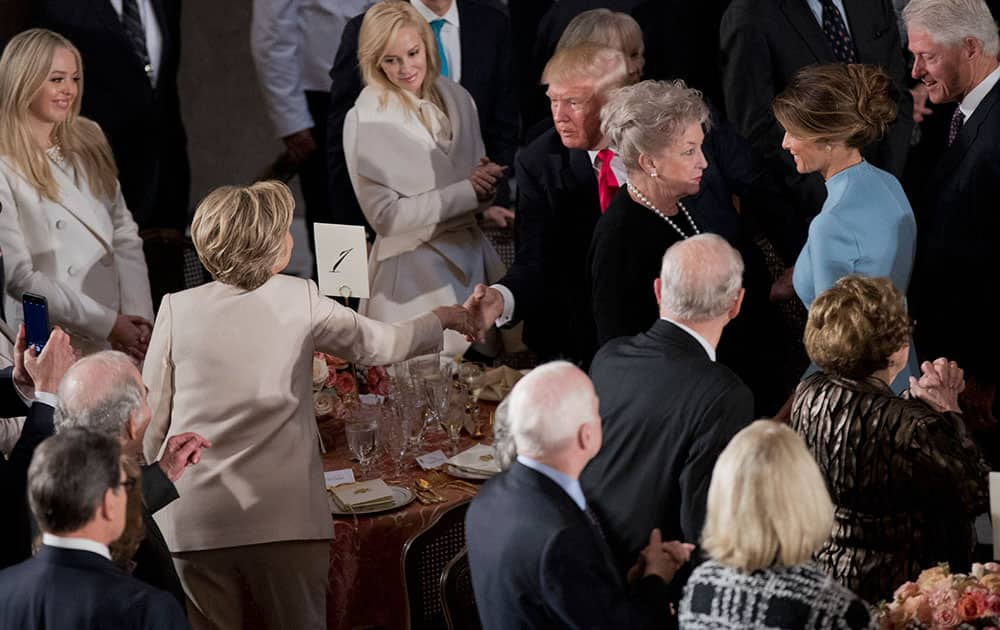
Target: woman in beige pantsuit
{"points": [[232, 360]]}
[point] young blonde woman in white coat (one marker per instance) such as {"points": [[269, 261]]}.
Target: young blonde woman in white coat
{"points": [[416, 159], [65, 231]]}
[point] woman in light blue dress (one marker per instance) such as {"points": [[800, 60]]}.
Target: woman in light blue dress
{"points": [[866, 225]]}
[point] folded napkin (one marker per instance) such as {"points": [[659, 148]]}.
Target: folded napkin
{"points": [[479, 460], [362, 495], [498, 382]]}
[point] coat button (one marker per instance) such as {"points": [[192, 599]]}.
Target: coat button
{"points": [[60, 224], [71, 270]]}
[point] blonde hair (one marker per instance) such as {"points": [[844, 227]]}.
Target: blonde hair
{"points": [[855, 326], [24, 67], [848, 103], [604, 67], [767, 502], [239, 232], [380, 26], [603, 27]]}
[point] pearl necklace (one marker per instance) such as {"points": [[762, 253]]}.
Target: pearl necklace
{"points": [[649, 204], [56, 155]]}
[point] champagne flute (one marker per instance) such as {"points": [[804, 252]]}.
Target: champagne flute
{"points": [[394, 432]]}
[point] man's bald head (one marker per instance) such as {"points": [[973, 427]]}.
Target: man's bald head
{"points": [[101, 392], [547, 407], [700, 279]]}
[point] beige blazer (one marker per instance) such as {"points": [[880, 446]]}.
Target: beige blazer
{"points": [[235, 366], [415, 193], [83, 254]]}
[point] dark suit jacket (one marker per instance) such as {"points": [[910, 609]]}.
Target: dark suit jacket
{"points": [[487, 74], [763, 43], [955, 288], [63, 588], [143, 124], [153, 562], [667, 412], [537, 561], [15, 526], [557, 208]]}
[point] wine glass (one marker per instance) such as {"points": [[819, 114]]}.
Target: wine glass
{"points": [[361, 440], [472, 376], [452, 417], [394, 435]]}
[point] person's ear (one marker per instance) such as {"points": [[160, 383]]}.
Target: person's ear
{"points": [[735, 309], [105, 509], [657, 291], [646, 164]]}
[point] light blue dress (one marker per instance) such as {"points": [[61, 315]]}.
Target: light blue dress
{"points": [[866, 227]]}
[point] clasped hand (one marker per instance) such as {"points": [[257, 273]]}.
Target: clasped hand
{"points": [[939, 384], [130, 335], [485, 179], [485, 305], [660, 558]]}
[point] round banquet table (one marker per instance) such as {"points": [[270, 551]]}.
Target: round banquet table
{"points": [[366, 569]]}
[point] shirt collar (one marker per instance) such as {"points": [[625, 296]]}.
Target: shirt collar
{"points": [[450, 16], [978, 93], [709, 349], [569, 485], [79, 544]]}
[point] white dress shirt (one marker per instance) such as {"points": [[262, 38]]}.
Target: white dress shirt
{"points": [[294, 43], [621, 174], [449, 36], [978, 93], [817, 10], [709, 348], [79, 544], [154, 38]]}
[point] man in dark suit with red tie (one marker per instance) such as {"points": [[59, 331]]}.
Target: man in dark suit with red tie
{"points": [[956, 288], [565, 178]]}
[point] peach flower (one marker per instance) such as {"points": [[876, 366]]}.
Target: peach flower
{"points": [[918, 609], [946, 617], [905, 591], [345, 383], [972, 605], [336, 362]]}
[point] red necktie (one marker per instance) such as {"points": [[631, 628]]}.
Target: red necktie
{"points": [[607, 183]]}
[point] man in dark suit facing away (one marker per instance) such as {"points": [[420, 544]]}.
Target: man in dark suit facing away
{"points": [[956, 287], [763, 43], [537, 556], [485, 71], [668, 409], [77, 490]]}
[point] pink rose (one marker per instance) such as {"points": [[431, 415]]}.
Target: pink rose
{"points": [[340, 410], [344, 383], [917, 608], [993, 604], [992, 567], [336, 362], [377, 381], [907, 590], [946, 617], [972, 605], [941, 596]]}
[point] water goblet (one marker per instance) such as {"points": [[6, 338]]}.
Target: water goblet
{"points": [[394, 433], [361, 440]]}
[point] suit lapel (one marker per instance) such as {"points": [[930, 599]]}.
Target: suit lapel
{"points": [[866, 27], [967, 137], [76, 199], [804, 23], [467, 40], [107, 14], [579, 173], [161, 20]]}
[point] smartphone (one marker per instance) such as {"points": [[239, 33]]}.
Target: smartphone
{"points": [[36, 320]]}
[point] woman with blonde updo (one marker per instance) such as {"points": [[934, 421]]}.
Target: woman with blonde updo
{"points": [[905, 478], [866, 226]]}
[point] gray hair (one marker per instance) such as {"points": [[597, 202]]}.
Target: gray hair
{"points": [[100, 393], [605, 28], [700, 278], [649, 116], [503, 442], [68, 476], [949, 22], [548, 406]]}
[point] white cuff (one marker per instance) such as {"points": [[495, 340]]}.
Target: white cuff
{"points": [[47, 399], [508, 305]]}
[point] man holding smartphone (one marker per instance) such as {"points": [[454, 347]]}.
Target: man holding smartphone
{"points": [[27, 389]]}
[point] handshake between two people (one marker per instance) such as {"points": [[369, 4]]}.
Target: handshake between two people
{"points": [[475, 316]]}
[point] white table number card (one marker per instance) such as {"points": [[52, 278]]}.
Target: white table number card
{"points": [[995, 512], [342, 260]]}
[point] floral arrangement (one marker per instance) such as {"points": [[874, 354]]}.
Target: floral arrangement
{"points": [[940, 599], [337, 385], [334, 386]]}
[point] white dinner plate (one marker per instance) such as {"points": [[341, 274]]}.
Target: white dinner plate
{"points": [[465, 474], [400, 497]]}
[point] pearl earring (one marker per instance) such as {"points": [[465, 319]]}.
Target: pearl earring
{"points": [[829, 147], [652, 174]]}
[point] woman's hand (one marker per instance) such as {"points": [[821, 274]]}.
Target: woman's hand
{"points": [[484, 179], [130, 334], [457, 318], [783, 289], [939, 385]]}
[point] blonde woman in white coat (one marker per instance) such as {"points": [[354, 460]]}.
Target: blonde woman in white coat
{"points": [[65, 232], [416, 159]]}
